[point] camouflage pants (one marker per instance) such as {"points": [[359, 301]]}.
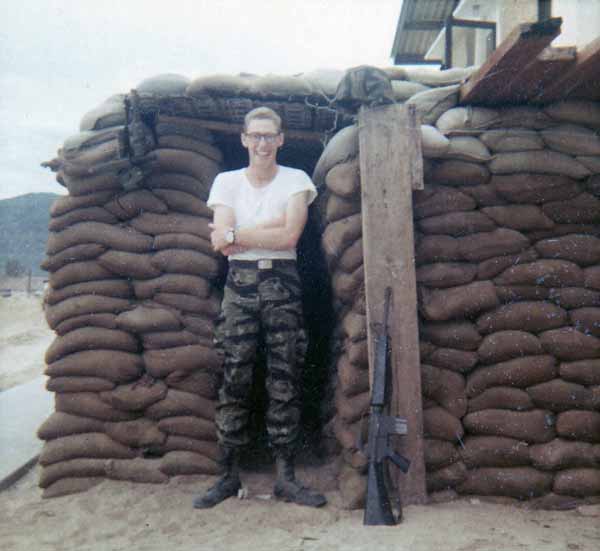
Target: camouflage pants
{"points": [[261, 305]]}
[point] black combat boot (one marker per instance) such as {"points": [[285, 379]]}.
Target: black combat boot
{"points": [[227, 486], [287, 488]]}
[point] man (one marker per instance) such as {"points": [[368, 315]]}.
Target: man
{"points": [[259, 215]]}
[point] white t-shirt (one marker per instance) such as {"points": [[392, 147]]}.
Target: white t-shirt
{"points": [[254, 205]]}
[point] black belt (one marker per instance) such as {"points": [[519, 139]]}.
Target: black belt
{"points": [[263, 264]]}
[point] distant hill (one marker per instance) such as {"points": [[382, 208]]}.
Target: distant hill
{"points": [[24, 229]]}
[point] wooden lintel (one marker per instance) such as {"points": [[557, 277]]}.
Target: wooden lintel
{"points": [[519, 48], [388, 159], [236, 128], [584, 70], [540, 73]]}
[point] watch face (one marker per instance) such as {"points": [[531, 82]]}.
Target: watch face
{"points": [[229, 236]]}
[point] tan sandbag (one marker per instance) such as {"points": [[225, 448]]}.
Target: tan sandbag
{"points": [[579, 425], [586, 320], [84, 214], [563, 454], [583, 209], [503, 140], [77, 253], [160, 363], [357, 352], [439, 423], [533, 426], [67, 203], [519, 372], [438, 453], [481, 246], [190, 163], [446, 274], [535, 188], [178, 181], [584, 372], [116, 288], [338, 207], [518, 482], [183, 462], [501, 397], [348, 435], [185, 261], [456, 223], [461, 119], [442, 200], [577, 482], [567, 343], [467, 148], [155, 224], [582, 112], [135, 396], [355, 326], [83, 162], [90, 445], [581, 249], [78, 272], [431, 77], [143, 319], [352, 409], [189, 304], [545, 272], [114, 365], [352, 257], [189, 426], [541, 162], [184, 241], [339, 235], [108, 321], [353, 488], [199, 325], [436, 248], [163, 85], [446, 388], [200, 382], [404, 89], [171, 339], [113, 237], [525, 116], [89, 404], [574, 297], [83, 304], [87, 139], [109, 113], [219, 84], [430, 104], [494, 451], [572, 139], [459, 173], [64, 424], [174, 141], [519, 217], [485, 195], [184, 126], [138, 433], [135, 470], [78, 384], [521, 293], [341, 148], [457, 302], [505, 345], [87, 338], [433, 142], [526, 316], [446, 477], [184, 443], [132, 203], [592, 277], [72, 468], [67, 486], [280, 86], [186, 203], [178, 403], [462, 335], [491, 267], [345, 286], [90, 184], [559, 395], [461, 361]]}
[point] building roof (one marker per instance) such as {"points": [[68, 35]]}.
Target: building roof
{"points": [[419, 24]]}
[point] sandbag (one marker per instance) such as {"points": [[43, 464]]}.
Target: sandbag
{"points": [[184, 241], [503, 140], [432, 77], [67, 486], [89, 404], [183, 202], [175, 141], [178, 403], [526, 316], [542, 162], [345, 286], [584, 372], [78, 384], [446, 274], [433, 142], [114, 365], [357, 352], [446, 477], [558, 395], [459, 173], [546, 272], [109, 113], [90, 445], [200, 382], [467, 148], [491, 267], [586, 320], [582, 112], [579, 425], [199, 325], [592, 277], [525, 116], [519, 372], [506, 345], [355, 326], [591, 162], [462, 335], [171, 339], [352, 257], [163, 85], [83, 304], [108, 321], [464, 119], [519, 217], [439, 423], [183, 443], [436, 248], [189, 426], [138, 433], [562, 454], [535, 426], [574, 297], [581, 249], [339, 235], [567, 343], [135, 396], [178, 181], [342, 147], [572, 139], [129, 205], [501, 397], [494, 451], [116, 288], [190, 163], [481, 246], [84, 214], [90, 184], [338, 207], [441, 200], [135, 470], [439, 453], [458, 302], [71, 468], [78, 272], [456, 223], [521, 293], [583, 209], [77, 253], [518, 482], [535, 188], [189, 304], [461, 361], [185, 261], [183, 462], [353, 409], [485, 195], [219, 84], [184, 126], [143, 319], [64, 424], [577, 482], [160, 363], [353, 488], [67, 203], [446, 388], [430, 104]]}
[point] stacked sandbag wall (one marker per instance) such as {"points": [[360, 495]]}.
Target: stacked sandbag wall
{"points": [[133, 301]]}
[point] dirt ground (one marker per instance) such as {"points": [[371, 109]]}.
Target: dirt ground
{"points": [[115, 516]]}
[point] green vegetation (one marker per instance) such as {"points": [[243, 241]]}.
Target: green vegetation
{"points": [[24, 230]]}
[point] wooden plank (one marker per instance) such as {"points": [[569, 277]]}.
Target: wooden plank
{"points": [[388, 158], [537, 75], [585, 69], [522, 45], [235, 128]]}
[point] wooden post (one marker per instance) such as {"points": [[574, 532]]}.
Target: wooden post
{"points": [[391, 166]]}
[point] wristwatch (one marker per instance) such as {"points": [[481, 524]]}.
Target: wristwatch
{"points": [[230, 236]]}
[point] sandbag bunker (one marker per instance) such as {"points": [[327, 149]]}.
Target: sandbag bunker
{"points": [[507, 265]]}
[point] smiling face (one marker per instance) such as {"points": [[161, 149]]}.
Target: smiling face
{"points": [[262, 139]]}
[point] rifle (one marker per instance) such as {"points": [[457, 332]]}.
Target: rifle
{"points": [[378, 509]]}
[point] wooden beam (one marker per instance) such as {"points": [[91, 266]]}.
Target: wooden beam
{"points": [[516, 51], [585, 69], [387, 160], [540, 73]]}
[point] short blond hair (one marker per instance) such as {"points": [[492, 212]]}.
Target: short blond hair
{"points": [[265, 113]]}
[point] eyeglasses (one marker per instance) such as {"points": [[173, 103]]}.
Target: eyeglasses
{"points": [[269, 138]]}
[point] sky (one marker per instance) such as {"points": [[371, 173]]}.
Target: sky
{"points": [[61, 58]]}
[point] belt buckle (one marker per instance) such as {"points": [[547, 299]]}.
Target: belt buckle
{"points": [[265, 264]]}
